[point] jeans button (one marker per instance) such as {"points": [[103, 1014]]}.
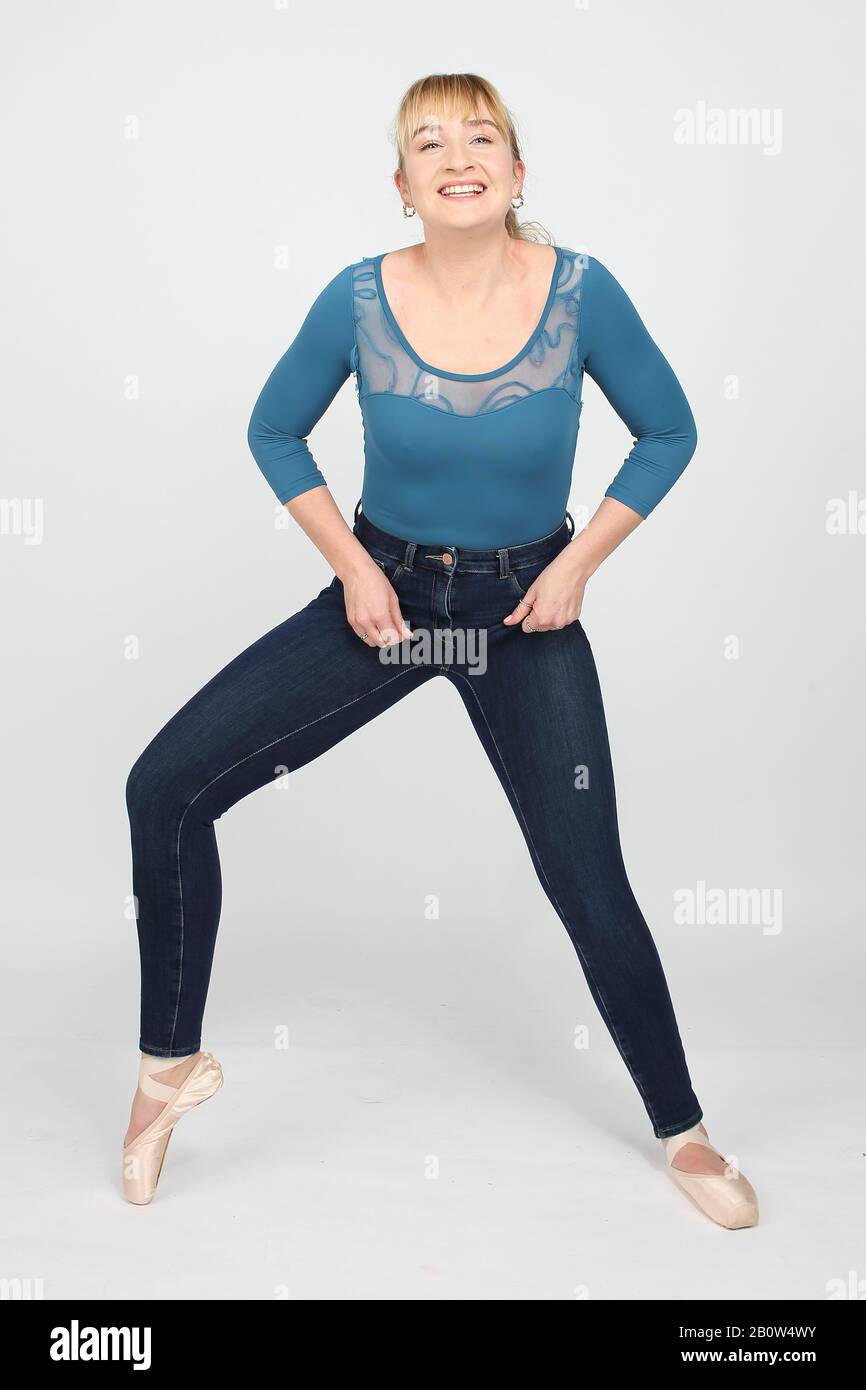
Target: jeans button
{"points": [[447, 559]]}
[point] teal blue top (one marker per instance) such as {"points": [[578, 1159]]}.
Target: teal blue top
{"points": [[482, 460]]}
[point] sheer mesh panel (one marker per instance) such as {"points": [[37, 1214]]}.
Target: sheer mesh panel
{"points": [[382, 365]]}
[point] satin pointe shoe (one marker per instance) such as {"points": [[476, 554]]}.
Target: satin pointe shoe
{"points": [[726, 1198], [143, 1157]]}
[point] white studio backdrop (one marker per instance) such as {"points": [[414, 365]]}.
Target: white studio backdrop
{"points": [[179, 183]]}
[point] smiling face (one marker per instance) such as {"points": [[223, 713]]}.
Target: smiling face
{"points": [[459, 173]]}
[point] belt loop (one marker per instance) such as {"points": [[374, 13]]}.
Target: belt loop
{"points": [[357, 508], [503, 562], [570, 518], [411, 547]]}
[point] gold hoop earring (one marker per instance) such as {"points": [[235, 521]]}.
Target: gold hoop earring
{"points": [[408, 210], [517, 205]]}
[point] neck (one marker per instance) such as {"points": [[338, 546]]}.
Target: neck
{"points": [[468, 267]]}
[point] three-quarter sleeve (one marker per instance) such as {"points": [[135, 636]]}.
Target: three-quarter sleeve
{"points": [[299, 390], [638, 381]]}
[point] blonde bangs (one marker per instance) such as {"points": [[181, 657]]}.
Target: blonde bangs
{"points": [[460, 94]]}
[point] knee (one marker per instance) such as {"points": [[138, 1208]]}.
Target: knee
{"points": [[138, 785], [152, 782]]}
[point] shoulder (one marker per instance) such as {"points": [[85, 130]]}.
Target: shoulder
{"points": [[332, 304], [341, 277], [401, 269], [580, 268], [601, 290], [609, 319], [401, 259], [329, 320], [587, 267], [334, 291]]}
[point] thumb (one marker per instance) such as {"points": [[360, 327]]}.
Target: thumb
{"points": [[518, 613]]}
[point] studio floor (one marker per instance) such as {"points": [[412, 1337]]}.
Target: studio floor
{"points": [[419, 1172]]}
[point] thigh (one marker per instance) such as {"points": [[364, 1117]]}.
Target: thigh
{"points": [[296, 691], [538, 711]]}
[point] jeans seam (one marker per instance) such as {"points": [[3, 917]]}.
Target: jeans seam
{"points": [[397, 572], [562, 914], [245, 759], [166, 1052], [668, 1131], [446, 596]]}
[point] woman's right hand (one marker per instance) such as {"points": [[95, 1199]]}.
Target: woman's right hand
{"points": [[372, 606]]}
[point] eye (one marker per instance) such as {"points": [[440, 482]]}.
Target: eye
{"points": [[486, 138]]}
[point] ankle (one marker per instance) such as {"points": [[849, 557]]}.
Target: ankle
{"points": [[166, 1073], [159, 1077], [690, 1151]]}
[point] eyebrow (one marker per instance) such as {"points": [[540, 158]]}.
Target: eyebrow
{"points": [[470, 120]]}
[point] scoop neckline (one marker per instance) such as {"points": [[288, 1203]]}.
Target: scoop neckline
{"points": [[465, 376]]}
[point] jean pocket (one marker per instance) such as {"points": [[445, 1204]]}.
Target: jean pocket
{"points": [[528, 576], [391, 568]]}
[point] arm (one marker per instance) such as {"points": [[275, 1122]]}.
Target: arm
{"points": [[293, 399], [616, 350], [618, 353], [299, 390]]}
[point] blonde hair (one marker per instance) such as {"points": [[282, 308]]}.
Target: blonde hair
{"points": [[460, 93]]}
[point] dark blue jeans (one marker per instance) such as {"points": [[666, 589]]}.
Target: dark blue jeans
{"points": [[535, 703]]}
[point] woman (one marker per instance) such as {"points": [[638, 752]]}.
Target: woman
{"points": [[461, 534]]}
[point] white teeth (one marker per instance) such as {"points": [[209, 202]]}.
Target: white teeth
{"points": [[461, 189]]}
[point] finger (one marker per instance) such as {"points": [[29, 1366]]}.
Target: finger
{"points": [[519, 612], [532, 623], [386, 630], [539, 624], [390, 629], [401, 626], [369, 632]]}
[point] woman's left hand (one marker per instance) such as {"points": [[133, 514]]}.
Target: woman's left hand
{"points": [[555, 599]]}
